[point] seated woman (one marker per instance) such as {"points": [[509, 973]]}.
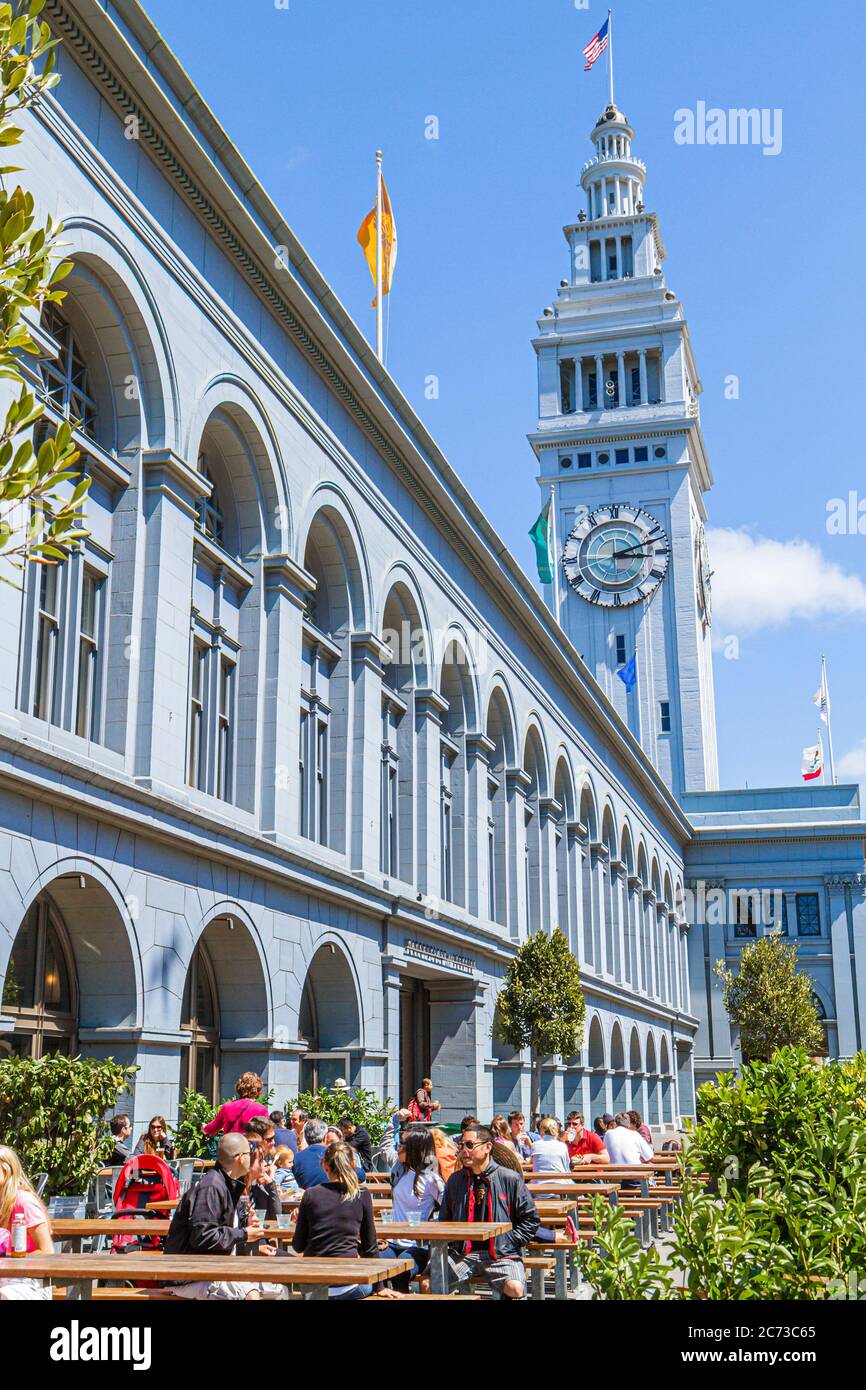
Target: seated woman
{"points": [[155, 1140], [501, 1130], [20, 1205], [335, 1219], [549, 1154], [416, 1189]]}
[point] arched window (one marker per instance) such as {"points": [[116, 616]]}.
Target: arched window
{"points": [[328, 1022], [208, 513], [66, 376], [500, 814], [200, 1019], [40, 988]]}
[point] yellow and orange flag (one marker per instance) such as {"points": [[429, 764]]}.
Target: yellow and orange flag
{"points": [[367, 242]]}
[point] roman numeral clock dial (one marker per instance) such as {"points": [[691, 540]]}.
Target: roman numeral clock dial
{"points": [[616, 555]]}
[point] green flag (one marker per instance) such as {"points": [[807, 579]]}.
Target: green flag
{"points": [[542, 539]]}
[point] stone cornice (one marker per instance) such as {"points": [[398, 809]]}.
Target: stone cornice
{"points": [[479, 746], [430, 704], [166, 472], [856, 882], [285, 575], [517, 780]]}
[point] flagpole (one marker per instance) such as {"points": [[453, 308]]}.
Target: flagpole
{"points": [[610, 51], [825, 690], [555, 551], [379, 250]]}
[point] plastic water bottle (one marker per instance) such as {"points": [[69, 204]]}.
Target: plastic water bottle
{"points": [[19, 1234]]}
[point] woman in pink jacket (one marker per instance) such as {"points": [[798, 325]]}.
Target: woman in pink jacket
{"points": [[234, 1115]]}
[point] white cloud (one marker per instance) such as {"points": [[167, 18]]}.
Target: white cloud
{"points": [[761, 583], [851, 767]]}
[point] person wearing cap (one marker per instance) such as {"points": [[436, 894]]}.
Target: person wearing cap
{"points": [[624, 1145]]}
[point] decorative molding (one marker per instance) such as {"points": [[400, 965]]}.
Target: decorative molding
{"points": [[839, 882]]}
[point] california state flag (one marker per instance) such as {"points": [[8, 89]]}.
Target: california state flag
{"points": [[813, 762]]}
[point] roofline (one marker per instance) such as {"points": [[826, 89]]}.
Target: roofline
{"points": [[441, 485]]}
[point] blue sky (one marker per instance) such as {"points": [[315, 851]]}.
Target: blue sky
{"points": [[765, 252]]}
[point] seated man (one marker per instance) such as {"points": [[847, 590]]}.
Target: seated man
{"points": [[308, 1164], [625, 1145], [483, 1190], [583, 1145], [208, 1222], [359, 1139]]}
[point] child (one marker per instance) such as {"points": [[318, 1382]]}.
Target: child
{"points": [[284, 1177], [17, 1198]]}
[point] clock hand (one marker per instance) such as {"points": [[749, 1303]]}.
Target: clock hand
{"points": [[631, 554]]}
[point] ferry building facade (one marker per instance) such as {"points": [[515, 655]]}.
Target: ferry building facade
{"points": [[292, 754]]}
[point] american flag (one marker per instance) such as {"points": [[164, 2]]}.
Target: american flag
{"points": [[596, 46]]}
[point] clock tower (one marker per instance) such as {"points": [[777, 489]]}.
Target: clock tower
{"points": [[619, 440]]}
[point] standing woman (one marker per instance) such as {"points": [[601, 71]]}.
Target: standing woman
{"points": [[232, 1117], [19, 1206], [335, 1219]]}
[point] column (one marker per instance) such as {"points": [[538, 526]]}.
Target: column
{"points": [[651, 982], [171, 491], [618, 251], [582, 928], [363, 763], [838, 890], [620, 371], [643, 382], [478, 750], [604, 205], [633, 886], [517, 782], [600, 866], [578, 383], [286, 588], [429, 709], [391, 971], [858, 926], [617, 883], [599, 363]]}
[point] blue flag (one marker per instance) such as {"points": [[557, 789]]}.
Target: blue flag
{"points": [[628, 674]]}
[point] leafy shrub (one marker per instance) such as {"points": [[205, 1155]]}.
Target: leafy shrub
{"points": [[52, 1112], [771, 1004], [194, 1111], [361, 1106], [786, 1143]]}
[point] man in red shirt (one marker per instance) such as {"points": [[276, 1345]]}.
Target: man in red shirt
{"points": [[583, 1145]]}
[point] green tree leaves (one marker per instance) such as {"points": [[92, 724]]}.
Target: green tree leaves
{"points": [[541, 1005], [41, 516], [52, 1112], [769, 1002]]}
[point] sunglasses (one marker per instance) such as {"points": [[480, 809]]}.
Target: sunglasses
{"points": [[471, 1143]]}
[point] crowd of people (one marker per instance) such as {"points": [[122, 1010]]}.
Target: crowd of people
{"points": [[262, 1157]]}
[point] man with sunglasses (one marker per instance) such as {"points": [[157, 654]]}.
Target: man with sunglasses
{"points": [[482, 1190]]}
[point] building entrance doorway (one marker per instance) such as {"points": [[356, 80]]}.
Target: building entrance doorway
{"points": [[414, 1037]]}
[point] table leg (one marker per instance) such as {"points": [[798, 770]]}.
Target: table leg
{"points": [[79, 1290], [561, 1255], [536, 1277], [438, 1267]]}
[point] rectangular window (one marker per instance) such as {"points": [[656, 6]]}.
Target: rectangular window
{"points": [[303, 787], [808, 915], [641, 454], [47, 643], [322, 754], [584, 460], [197, 706], [88, 655], [620, 649], [621, 455], [744, 914], [566, 387], [447, 875], [635, 385], [664, 716], [225, 731], [592, 389]]}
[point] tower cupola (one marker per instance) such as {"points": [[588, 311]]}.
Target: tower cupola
{"points": [[613, 180]]}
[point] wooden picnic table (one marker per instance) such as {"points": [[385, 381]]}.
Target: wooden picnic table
{"points": [[314, 1275], [437, 1234]]}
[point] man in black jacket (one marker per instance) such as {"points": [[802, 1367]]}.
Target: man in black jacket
{"points": [[208, 1222], [482, 1190]]}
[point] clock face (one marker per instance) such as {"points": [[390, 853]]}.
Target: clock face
{"points": [[616, 555], [705, 574]]}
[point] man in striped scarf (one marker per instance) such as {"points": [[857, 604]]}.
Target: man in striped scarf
{"points": [[482, 1190]]}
